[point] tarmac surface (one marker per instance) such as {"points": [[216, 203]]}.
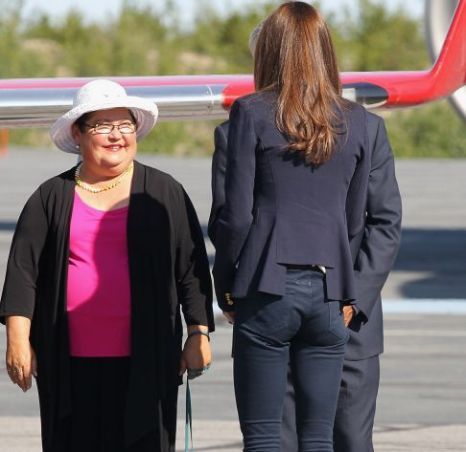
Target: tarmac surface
{"points": [[422, 399]]}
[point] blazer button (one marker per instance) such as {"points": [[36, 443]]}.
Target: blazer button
{"points": [[228, 299]]}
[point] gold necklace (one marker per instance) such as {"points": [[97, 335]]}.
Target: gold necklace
{"points": [[90, 188]]}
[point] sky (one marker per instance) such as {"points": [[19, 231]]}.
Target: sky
{"points": [[98, 10]]}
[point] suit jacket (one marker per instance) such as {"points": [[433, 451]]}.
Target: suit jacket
{"points": [[168, 269], [373, 231]]}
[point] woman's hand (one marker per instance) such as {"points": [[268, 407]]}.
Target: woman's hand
{"points": [[21, 361], [21, 364], [197, 353]]}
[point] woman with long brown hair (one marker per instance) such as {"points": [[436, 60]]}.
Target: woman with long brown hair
{"points": [[295, 190]]}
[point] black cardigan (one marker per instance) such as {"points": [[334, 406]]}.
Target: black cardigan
{"points": [[168, 269]]}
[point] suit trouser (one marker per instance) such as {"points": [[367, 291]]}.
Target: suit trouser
{"points": [[270, 332], [354, 419]]}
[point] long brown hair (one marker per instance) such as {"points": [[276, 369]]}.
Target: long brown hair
{"points": [[294, 55]]}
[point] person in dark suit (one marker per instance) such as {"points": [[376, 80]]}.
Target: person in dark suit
{"points": [[374, 234], [374, 248]]}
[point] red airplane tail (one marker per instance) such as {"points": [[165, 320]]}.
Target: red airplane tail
{"points": [[450, 68], [407, 88]]}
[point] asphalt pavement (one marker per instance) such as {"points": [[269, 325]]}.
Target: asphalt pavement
{"points": [[422, 399]]}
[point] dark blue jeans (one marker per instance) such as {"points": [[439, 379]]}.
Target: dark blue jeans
{"points": [[301, 328]]}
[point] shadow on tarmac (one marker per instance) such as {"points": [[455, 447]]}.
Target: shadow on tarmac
{"points": [[439, 256]]}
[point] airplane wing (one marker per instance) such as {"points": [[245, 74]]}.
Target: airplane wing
{"points": [[38, 102]]}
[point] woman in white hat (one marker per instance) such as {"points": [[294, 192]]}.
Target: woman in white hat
{"points": [[103, 257]]}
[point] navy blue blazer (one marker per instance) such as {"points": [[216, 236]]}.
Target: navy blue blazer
{"points": [[289, 211]]}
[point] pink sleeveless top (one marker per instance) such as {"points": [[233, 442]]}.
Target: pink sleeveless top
{"points": [[98, 290]]}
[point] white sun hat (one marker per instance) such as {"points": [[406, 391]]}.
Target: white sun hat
{"points": [[98, 95]]}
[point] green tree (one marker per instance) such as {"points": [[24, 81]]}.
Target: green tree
{"points": [[136, 52], [17, 60], [377, 39], [421, 131]]}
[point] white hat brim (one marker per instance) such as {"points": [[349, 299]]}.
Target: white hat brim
{"points": [[145, 113]]}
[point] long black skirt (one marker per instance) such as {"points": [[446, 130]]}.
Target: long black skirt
{"points": [[98, 394]]}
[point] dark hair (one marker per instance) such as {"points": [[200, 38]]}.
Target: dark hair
{"points": [[82, 120], [295, 56]]}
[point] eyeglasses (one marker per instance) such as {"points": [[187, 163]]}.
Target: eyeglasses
{"points": [[125, 128]]}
